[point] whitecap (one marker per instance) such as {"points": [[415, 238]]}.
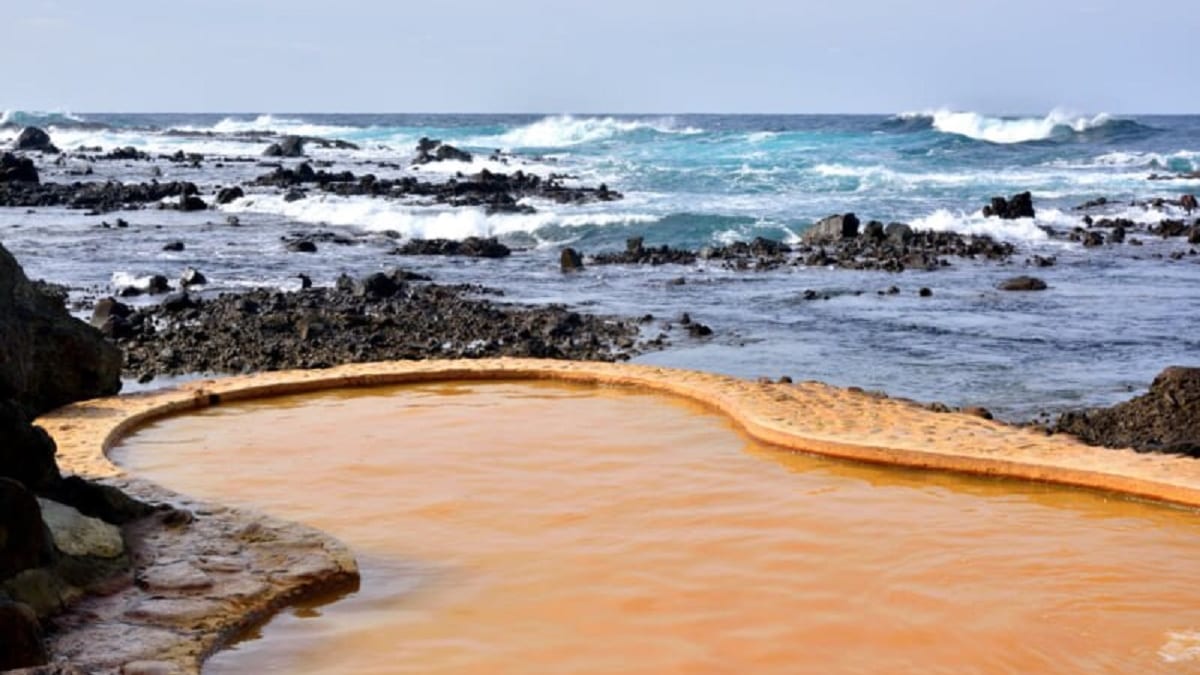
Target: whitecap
{"points": [[562, 131], [1005, 130], [424, 222], [944, 220]]}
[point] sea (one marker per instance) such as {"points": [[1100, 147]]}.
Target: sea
{"points": [[1112, 317]]}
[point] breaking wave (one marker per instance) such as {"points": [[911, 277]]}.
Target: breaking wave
{"points": [[410, 221], [271, 123], [1008, 130], [39, 118], [562, 131], [943, 220]]}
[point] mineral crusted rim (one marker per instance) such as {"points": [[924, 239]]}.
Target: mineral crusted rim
{"points": [[808, 417]]}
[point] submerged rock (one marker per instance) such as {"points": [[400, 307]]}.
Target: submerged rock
{"points": [[1023, 283]]}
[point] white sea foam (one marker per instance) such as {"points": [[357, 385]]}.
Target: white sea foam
{"points": [[943, 220], [1007, 130], [124, 279], [1182, 160], [562, 131], [425, 222], [1044, 179], [70, 138], [282, 125]]}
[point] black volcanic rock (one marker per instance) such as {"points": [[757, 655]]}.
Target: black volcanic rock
{"points": [[1165, 419], [49, 358], [384, 316], [831, 230], [1023, 283], [33, 138], [14, 169], [471, 247], [432, 150], [1016, 206], [288, 146]]}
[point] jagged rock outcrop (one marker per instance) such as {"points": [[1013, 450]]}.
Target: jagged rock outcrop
{"points": [[1164, 419], [49, 359]]}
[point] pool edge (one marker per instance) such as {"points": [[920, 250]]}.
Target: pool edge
{"points": [[808, 417]]}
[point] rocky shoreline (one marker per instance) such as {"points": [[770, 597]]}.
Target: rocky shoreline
{"points": [[382, 317], [128, 554]]}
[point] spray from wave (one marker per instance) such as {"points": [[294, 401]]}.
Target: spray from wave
{"points": [[563, 131], [1003, 130]]}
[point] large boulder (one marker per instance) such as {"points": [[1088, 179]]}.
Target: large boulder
{"points": [[1016, 206], [78, 535], [22, 645], [433, 150], [23, 540], [831, 230], [1165, 419], [15, 169], [26, 451], [33, 138], [49, 357], [288, 146], [570, 260]]}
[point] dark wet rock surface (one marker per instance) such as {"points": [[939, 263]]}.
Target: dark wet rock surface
{"points": [[1164, 419], [14, 169], [892, 248], [1022, 283], [432, 150], [94, 196], [33, 138], [1016, 206], [379, 317], [471, 247], [496, 192], [49, 359]]}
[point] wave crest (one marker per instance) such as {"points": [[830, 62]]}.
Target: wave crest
{"points": [[40, 118], [1004, 130], [562, 131], [270, 123]]}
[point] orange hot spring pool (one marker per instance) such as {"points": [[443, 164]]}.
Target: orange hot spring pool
{"points": [[535, 527]]}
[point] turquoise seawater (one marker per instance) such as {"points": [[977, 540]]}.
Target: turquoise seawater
{"points": [[1114, 316]]}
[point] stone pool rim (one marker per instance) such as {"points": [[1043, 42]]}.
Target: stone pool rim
{"points": [[807, 417]]}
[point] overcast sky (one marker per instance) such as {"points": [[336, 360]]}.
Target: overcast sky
{"points": [[601, 56]]}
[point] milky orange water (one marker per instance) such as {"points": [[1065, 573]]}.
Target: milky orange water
{"points": [[545, 528]]}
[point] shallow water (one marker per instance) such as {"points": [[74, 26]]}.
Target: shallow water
{"points": [[536, 527]]}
